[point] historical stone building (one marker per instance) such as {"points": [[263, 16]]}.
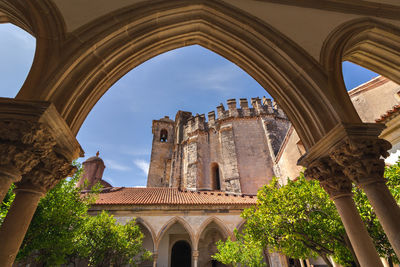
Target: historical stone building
{"points": [[293, 49], [202, 175], [194, 154]]}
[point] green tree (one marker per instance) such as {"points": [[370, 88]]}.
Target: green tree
{"points": [[59, 218], [299, 220], [375, 230], [57, 233], [244, 251], [104, 242]]}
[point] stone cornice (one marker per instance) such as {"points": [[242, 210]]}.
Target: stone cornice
{"points": [[345, 6]]}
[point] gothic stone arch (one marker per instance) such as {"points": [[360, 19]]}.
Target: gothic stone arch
{"points": [[98, 54]]}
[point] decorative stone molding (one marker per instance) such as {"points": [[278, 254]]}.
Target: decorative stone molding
{"points": [[35, 143], [45, 175], [330, 176], [336, 136], [23, 143], [361, 159]]}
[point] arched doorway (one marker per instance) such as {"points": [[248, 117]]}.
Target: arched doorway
{"points": [[181, 254]]}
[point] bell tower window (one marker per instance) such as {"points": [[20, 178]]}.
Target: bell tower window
{"points": [[163, 135]]}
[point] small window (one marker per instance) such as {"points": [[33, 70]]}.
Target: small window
{"points": [[163, 135], [215, 179]]}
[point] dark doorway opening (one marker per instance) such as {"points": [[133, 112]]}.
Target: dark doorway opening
{"points": [[181, 255]]}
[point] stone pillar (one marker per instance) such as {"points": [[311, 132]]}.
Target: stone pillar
{"points": [[195, 255], [40, 146], [28, 192], [16, 223], [339, 187], [155, 257], [362, 162]]}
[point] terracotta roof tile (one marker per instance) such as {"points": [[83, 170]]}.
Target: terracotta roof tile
{"points": [[390, 114], [168, 196]]}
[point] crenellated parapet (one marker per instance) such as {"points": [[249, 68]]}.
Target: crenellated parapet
{"points": [[259, 107]]}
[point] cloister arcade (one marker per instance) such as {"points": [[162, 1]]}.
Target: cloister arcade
{"points": [[294, 49], [200, 238]]}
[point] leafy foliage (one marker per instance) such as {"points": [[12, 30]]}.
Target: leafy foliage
{"points": [[61, 229], [300, 221], [104, 242], [6, 204], [244, 251]]}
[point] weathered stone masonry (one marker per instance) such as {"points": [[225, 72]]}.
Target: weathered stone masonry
{"points": [[237, 147]]}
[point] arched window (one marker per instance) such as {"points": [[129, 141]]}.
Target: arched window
{"points": [[181, 254], [163, 135], [215, 179]]}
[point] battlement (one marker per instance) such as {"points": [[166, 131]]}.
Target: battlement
{"points": [[258, 107], [263, 106]]}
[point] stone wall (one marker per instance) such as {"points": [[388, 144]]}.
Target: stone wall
{"points": [[222, 141]]}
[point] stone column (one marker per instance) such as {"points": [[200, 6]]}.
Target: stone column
{"points": [[28, 192], [195, 255], [339, 187], [36, 141], [362, 162], [19, 150], [155, 257]]}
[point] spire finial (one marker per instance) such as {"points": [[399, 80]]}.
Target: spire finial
{"points": [[97, 153]]}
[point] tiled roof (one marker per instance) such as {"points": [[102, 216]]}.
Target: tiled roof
{"points": [[168, 196], [390, 114]]}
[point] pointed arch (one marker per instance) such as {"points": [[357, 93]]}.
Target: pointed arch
{"points": [[168, 225], [98, 54], [213, 219], [143, 222], [367, 42], [240, 225]]}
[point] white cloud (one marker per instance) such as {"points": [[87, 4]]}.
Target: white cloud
{"points": [[135, 152], [142, 165], [220, 78], [113, 165], [393, 157]]}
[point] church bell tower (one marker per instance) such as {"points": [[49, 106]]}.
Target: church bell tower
{"points": [[161, 152]]}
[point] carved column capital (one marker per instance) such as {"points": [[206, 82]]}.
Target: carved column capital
{"points": [[330, 176], [22, 145], [46, 174], [361, 159]]}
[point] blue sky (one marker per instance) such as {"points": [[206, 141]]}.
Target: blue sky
{"points": [[119, 126]]}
